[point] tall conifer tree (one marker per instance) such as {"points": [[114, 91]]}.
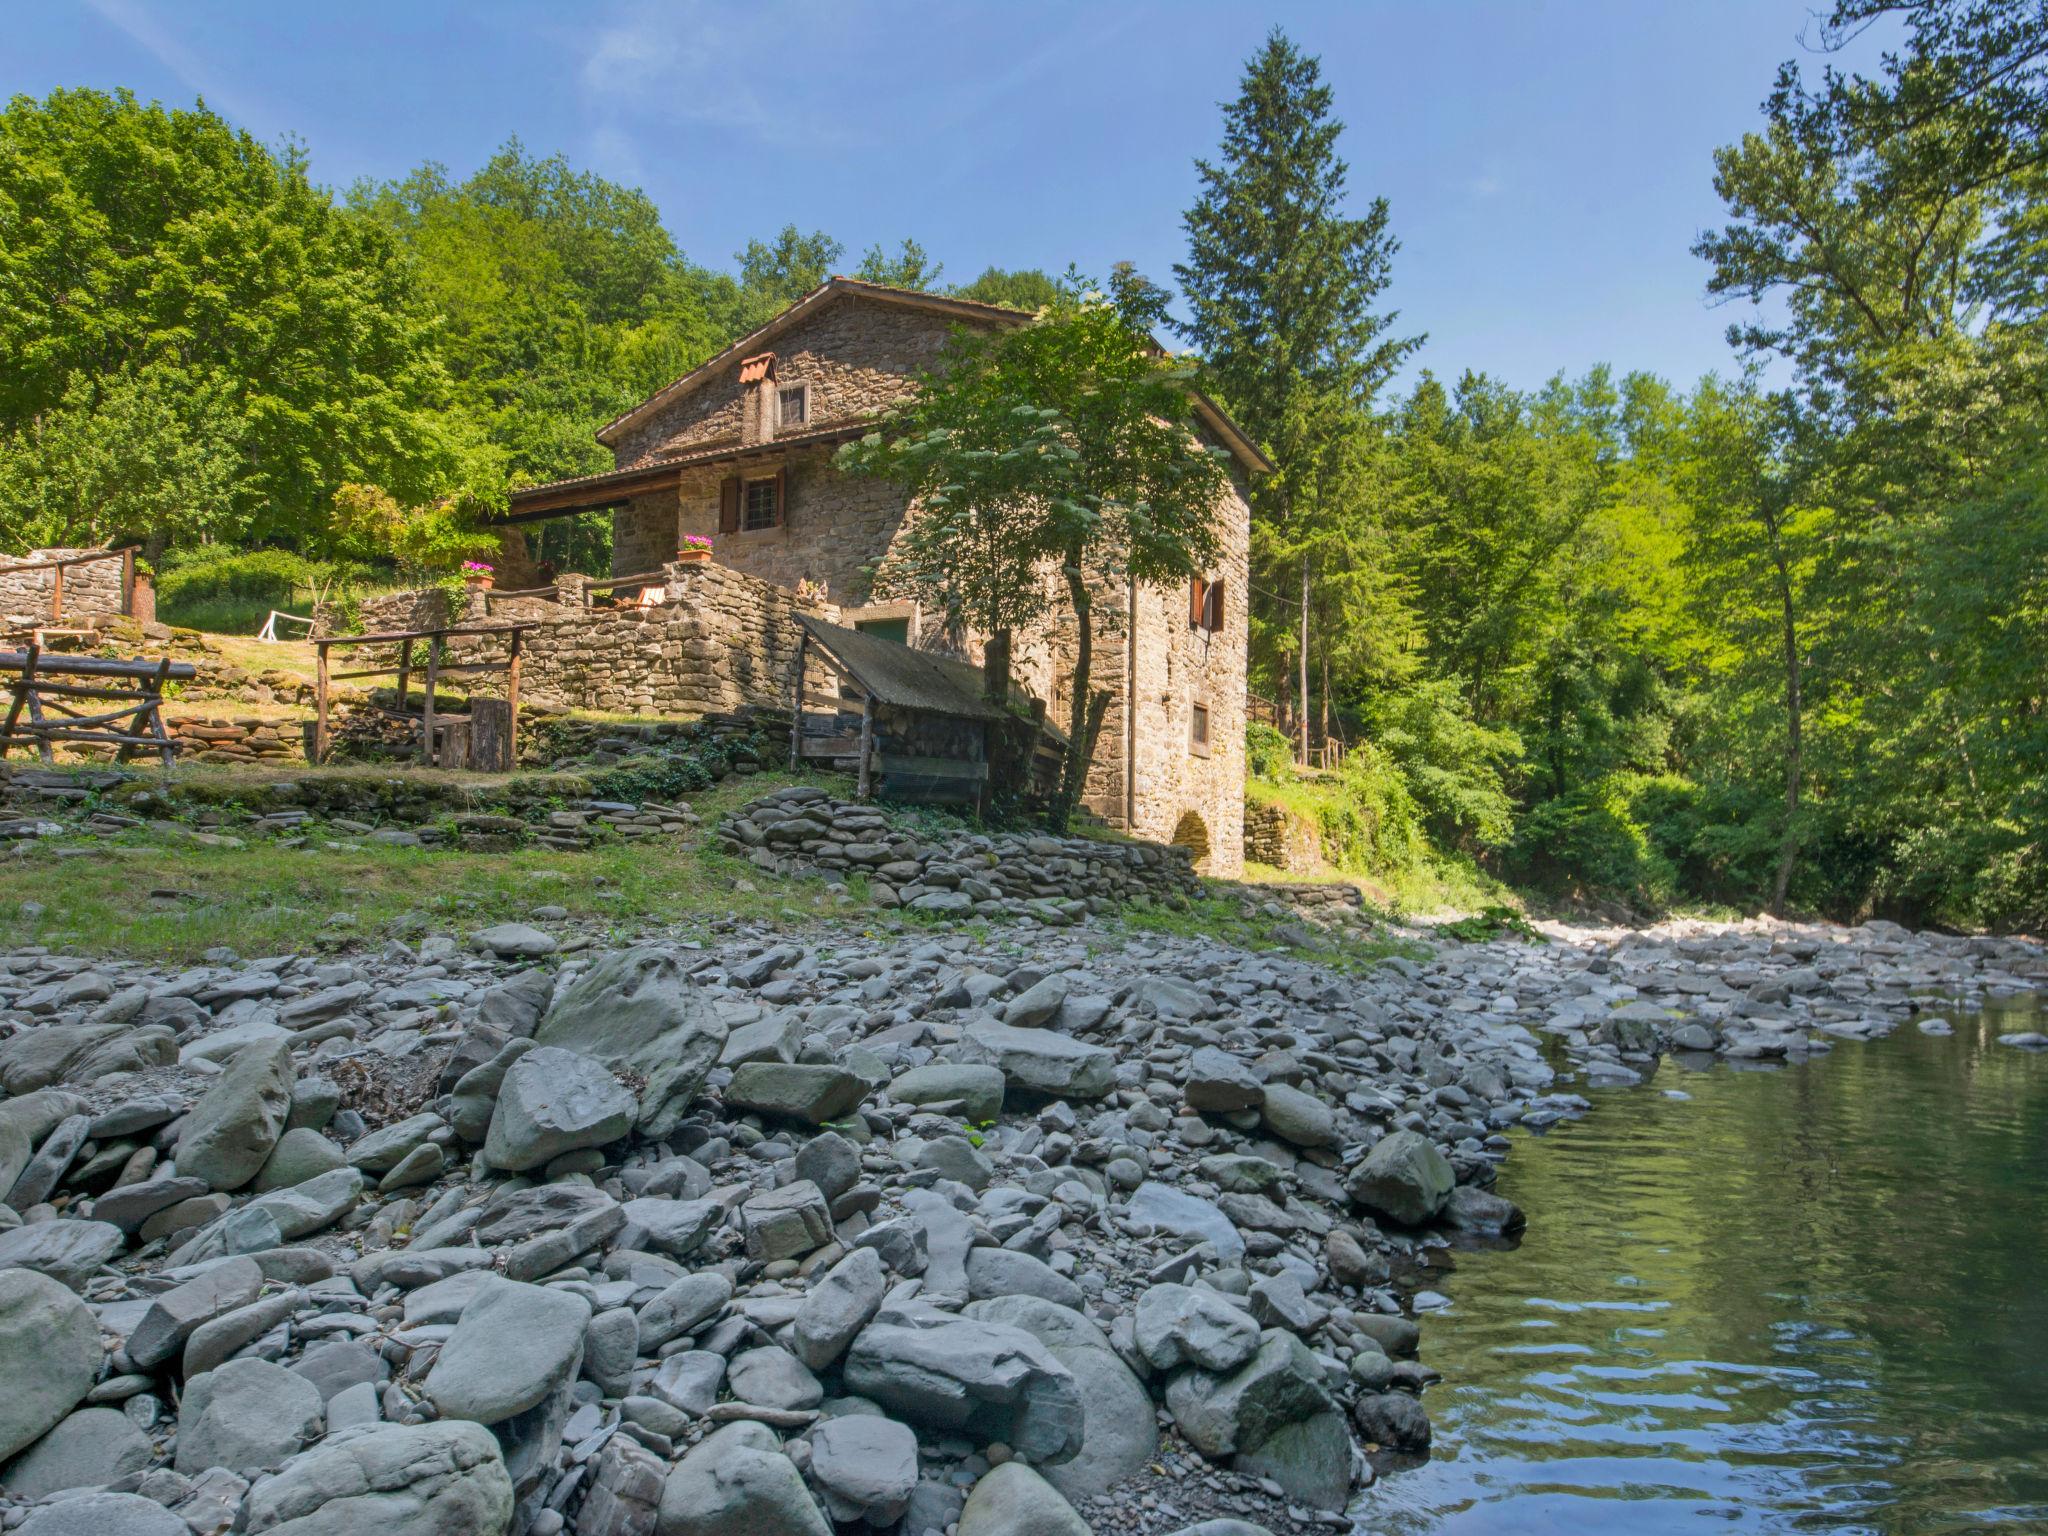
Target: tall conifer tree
{"points": [[1281, 283]]}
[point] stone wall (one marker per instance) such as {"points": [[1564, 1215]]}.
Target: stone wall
{"points": [[88, 589], [720, 640], [1274, 837]]}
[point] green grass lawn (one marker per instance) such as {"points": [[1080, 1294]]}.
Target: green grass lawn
{"points": [[159, 895]]}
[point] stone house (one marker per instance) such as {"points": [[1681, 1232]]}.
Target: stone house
{"points": [[739, 450]]}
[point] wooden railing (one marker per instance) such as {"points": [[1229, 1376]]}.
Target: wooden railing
{"points": [[125, 556], [436, 668]]}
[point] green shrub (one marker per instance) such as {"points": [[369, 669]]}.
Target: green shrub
{"points": [[224, 589], [1268, 755], [1371, 825], [1587, 843]]}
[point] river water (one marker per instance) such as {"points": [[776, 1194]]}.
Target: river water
{"points": [[1804, 1299]]}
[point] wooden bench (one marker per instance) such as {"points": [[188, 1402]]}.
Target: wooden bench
{"points": [[44, 682]]}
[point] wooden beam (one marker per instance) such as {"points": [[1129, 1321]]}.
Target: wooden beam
{"points": [[404, 670], [57, 595], [512, 699], [319, 704], [864, 785], [427, 713], [796, 699]]}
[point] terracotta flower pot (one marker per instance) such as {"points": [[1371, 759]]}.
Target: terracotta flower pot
{"points": [[694, 556], [483, 582]]}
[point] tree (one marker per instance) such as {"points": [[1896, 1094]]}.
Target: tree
{"points": [[1281, 283], [1065, 448], [1755, 551], [147, 252], [1027, 289], [140, 455], [778, 273], [910, 267]]}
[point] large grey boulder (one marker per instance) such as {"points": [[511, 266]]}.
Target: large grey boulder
{"points": [[1040, 1063], [1403, 1178], [67, 1251], [1167, 1209], [838, 1307], [977, 1089], [301, 1153], [247, 1416], [1311, 1460], [1298, 1117], [49, 1356], [105, 1514], [173, 1316], [555, 1101], [865, 1467], [92, 1447], [1176, 1325], [737, 1482], [635, 1010], [955, 1373], [444, 1479], [1221, 1415], [1013, 1500], [800, 1091], [231, 1131], [680, 1306], [1219, 1083], [514, 1345], [313, 1206], [1121, 1432]]}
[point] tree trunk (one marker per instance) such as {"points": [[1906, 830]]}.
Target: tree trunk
{"points": [[1788, 852], [1304, 659], [995, 668], [1086, 709]]}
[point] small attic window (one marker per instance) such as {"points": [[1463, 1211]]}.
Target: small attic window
{"points": [[793, 405]]}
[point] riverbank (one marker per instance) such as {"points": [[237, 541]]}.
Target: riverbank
{"points": [[917, 1224]]}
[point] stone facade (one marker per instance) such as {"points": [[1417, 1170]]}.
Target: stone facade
{"points": [[834, 527], [855, 354], [88, 589], [1151, 777]]}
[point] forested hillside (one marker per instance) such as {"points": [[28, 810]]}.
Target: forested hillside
{"points": [[1776, 638]]}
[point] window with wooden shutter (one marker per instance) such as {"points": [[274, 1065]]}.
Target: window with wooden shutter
{"points": [[1212, 607], [761, 506], [729, 506], [1198, 591]]}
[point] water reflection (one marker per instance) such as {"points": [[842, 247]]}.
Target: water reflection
{"points": [[1806, 1299]]}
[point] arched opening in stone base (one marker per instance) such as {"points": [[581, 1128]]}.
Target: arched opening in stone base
{"points": [[1192, 833]]}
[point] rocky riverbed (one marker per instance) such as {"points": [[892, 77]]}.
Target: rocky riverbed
{"points": [[1025, 1232]]}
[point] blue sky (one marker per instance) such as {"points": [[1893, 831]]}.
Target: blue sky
{"points": [[1548, 163]]}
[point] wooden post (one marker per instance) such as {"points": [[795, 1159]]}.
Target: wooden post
{"points": [[128, 582], [156, 712], [796, 701], [427, 718], [404, 672], [21, 687], [864, 785], [319, 702], [512, 702], [57, 596]]}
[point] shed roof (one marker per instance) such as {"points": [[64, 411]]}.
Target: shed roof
{"points": [[893, 673]]}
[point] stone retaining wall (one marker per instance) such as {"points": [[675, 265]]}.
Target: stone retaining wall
{"points": [[1055, 879], [1274, 836]]}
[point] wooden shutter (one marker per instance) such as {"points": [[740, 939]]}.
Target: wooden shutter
{"points": [[729, 506], [1212, 607], [782, 498], [1197, 591]]}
